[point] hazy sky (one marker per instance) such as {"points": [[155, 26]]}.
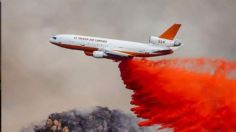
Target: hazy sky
{"points": [[39, 78]]}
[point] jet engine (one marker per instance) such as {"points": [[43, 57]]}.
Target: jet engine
{"points": [[99, 54], [177, 43], [166, 42], [153, 40]]}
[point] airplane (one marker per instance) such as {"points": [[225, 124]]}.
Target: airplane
{"points": [[119, 49]]}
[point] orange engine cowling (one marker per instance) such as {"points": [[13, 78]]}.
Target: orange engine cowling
{"points": [[88, 53]]}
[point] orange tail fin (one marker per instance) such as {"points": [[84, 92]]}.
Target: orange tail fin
{"points": [[171, 32]]}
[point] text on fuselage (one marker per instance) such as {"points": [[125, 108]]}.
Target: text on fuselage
{"points": [[91, 39]]}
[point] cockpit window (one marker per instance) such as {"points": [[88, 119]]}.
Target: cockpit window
{"points": [[54, 37]]}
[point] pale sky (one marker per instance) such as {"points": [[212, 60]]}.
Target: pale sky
{"points": [[39, 78]]}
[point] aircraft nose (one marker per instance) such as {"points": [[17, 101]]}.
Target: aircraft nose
{"points": [[53, 40]]}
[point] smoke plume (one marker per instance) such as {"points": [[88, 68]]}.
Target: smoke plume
{"points": [[101, 119], [183, 94]]}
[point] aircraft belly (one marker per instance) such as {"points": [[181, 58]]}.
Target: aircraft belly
{"points": [[138, 54]]}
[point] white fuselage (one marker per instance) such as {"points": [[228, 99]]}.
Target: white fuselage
{"points": [[109, 48]]}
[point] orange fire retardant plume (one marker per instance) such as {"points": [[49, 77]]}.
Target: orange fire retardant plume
{"points": [[183, 94]]}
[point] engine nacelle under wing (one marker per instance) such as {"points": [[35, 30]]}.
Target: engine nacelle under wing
{"points": [[99, 54]]}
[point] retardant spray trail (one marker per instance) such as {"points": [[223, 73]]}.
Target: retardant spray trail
{"points": [[183, 94]]}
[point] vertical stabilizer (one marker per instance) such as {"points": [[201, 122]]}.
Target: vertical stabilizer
{"points": [[171, 32]]}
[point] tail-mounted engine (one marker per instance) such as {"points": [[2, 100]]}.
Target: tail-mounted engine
{"points": [[166, 42], [99, 54]]}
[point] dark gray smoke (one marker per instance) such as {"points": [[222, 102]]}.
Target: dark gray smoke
{"points": [[101, 119]]}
